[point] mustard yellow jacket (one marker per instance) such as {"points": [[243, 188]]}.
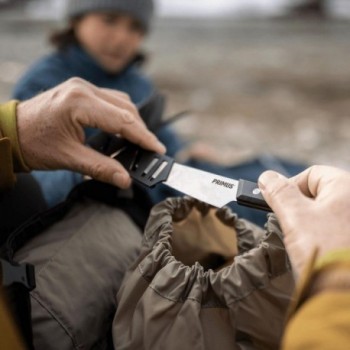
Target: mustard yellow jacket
{"points": [[11, 160], [320, 314]]}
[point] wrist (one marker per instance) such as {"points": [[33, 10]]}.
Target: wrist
{"points": [[8, 128], [332, 273]]}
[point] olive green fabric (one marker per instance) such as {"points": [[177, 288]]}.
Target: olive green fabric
{"points": [[11, 159], [235, 302], [80, 262], [8, 127]]}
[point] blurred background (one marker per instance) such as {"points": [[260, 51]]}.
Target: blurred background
{"points": [[260, 76]]}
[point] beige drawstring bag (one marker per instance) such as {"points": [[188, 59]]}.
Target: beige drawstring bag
{"points": [[204, 280]]}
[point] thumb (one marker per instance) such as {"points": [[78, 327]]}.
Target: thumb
{"points": [[282, 194], [89, 162]]}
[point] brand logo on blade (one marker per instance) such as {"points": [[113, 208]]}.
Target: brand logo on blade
{"points": [[222, 183]]}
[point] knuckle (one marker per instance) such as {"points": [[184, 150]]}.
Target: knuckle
{"points": [[97, 171], [134, 110], [75, 81], [315, 168], [127, 116], [281, 188], [125, 96], [76, 88], [73, 93]]}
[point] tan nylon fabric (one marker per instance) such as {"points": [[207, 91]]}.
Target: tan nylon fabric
{"points": [[166, 304], [80, 263], [204, 239]]}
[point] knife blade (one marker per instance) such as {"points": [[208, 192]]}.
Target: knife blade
{"points": [[150, 169]]}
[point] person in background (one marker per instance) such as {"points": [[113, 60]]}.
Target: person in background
{"points": [[101, 44]]}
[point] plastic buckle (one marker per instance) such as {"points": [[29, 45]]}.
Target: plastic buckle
{"points": [[22, 274], [146, 167]]}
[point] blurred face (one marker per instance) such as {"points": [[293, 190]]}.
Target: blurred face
{"points": [[111, 39]]}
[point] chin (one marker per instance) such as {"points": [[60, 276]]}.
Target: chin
{"points": [[114, 68]]}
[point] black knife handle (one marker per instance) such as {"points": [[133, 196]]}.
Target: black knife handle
{"points": [[145, 167], [249, 195]]}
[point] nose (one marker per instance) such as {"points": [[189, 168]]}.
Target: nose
{"points": [[120, 35]]}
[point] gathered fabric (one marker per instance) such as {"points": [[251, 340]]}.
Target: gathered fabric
{"points": [[205, 279]]}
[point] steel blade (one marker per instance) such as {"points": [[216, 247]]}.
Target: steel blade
{"points": [[206, 187]]}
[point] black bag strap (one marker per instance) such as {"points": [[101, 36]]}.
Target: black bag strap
{"points": [[35, 225], [152, 110]]}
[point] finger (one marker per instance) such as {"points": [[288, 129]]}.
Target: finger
{"points": [[117, 98], [283, 196], [96, 89], [314, 179], [139, 135], [89, 162], [120, 100], [111, 119], [302, 181]]}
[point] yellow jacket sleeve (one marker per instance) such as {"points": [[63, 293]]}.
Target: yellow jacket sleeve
{"points": [[11, 159], [10, 338], [320, 314]]}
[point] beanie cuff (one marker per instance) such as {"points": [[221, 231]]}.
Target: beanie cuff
{"points": [[142, 10]]}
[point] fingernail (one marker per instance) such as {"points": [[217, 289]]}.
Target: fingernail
{"points": [[161, 147], [267, 178], [121, 180]]}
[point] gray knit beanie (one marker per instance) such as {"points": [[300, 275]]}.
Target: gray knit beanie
{"points": [[142, 10]]}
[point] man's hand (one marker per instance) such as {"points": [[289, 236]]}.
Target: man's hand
{"points": [[51, 135], [313, 209]]}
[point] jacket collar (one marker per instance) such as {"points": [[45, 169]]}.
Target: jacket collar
{"points": [[85, 66]]}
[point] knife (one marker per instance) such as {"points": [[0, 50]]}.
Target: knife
{"points": [[150, 169]]}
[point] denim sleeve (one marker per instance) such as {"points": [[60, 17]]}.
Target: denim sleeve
{"points": [[56, 185]]}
